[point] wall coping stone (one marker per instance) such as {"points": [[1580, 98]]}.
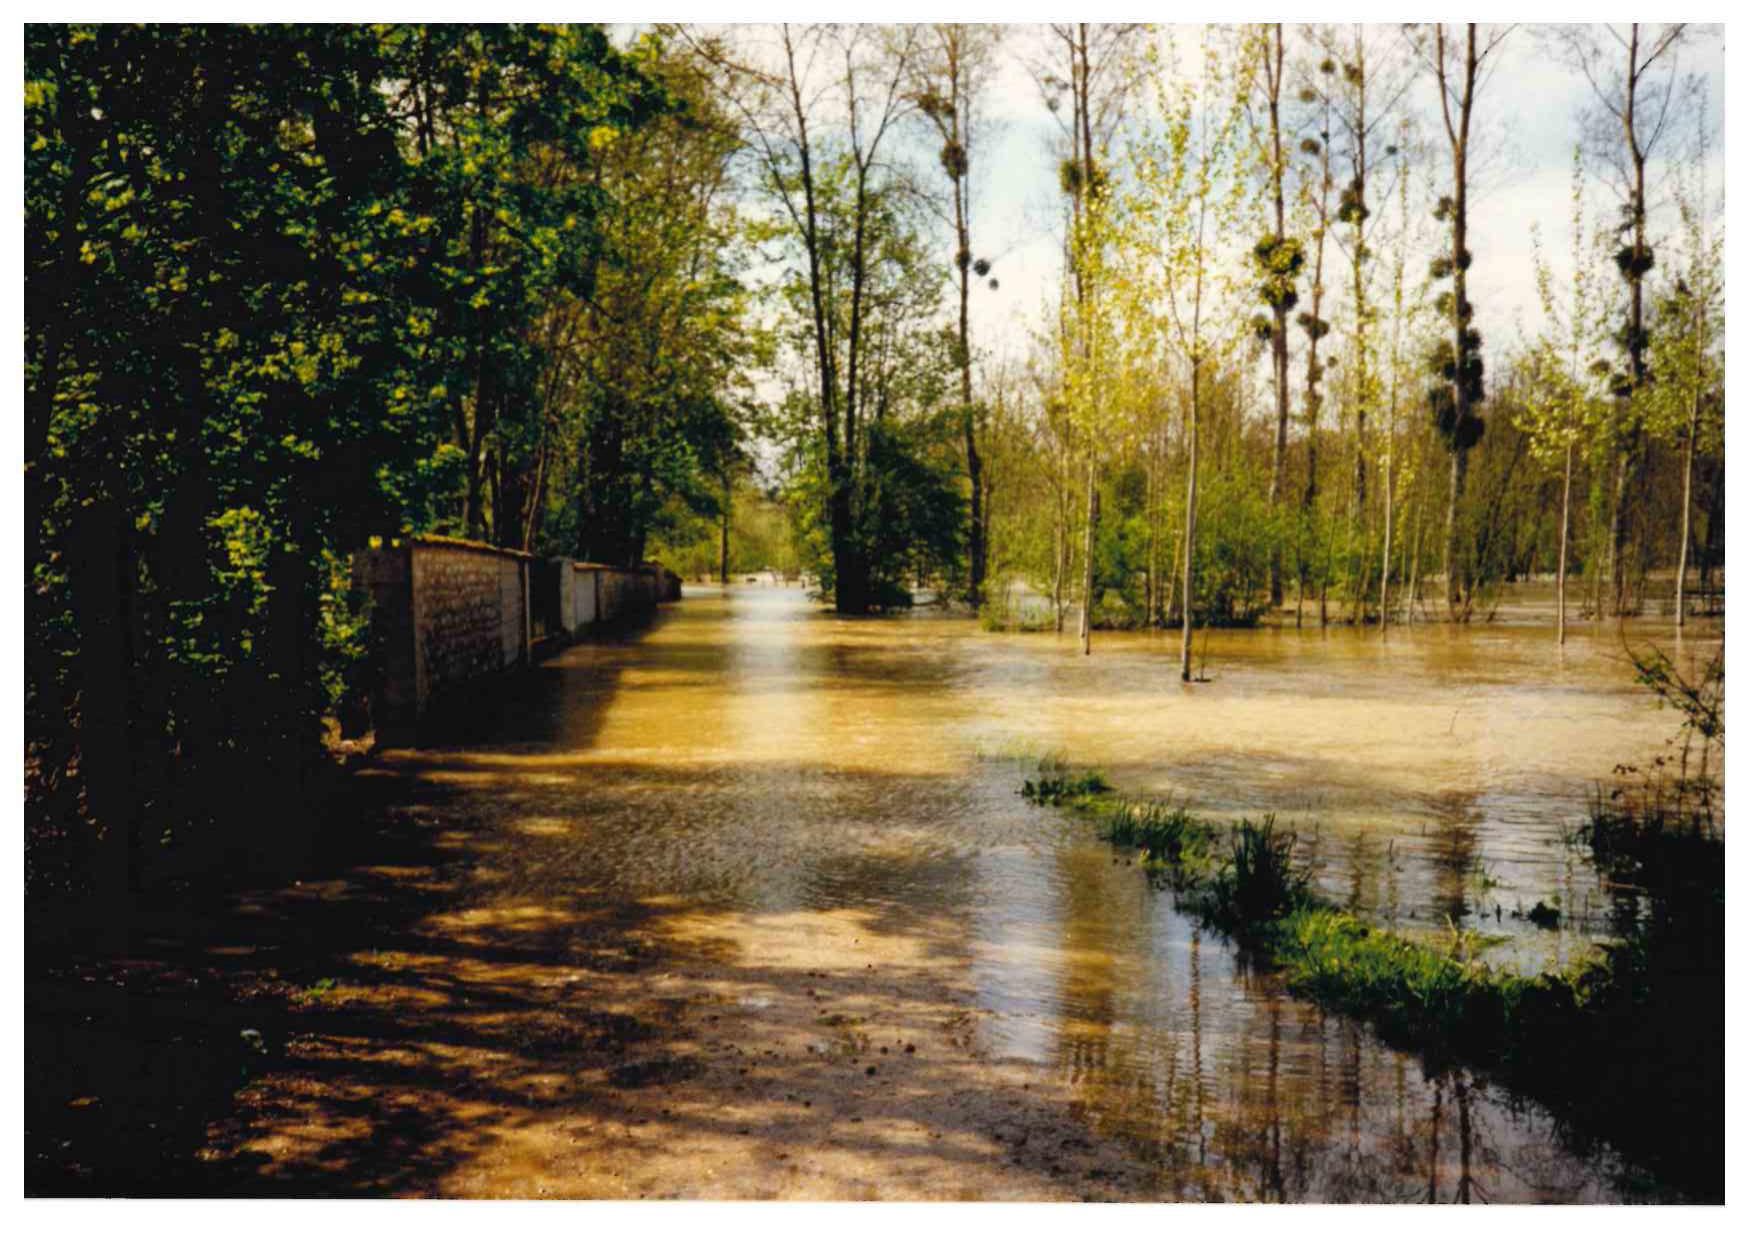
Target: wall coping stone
{"points": [[458, 544], [591, 566]]}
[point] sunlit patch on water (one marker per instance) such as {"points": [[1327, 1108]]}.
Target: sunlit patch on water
{"points": [[774, 786]]}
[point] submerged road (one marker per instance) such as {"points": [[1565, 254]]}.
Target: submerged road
{"points": [[745, 907]]}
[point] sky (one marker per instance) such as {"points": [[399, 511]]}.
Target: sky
{"points": [[1529, 113]]}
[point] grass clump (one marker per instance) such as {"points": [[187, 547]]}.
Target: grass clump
{"points": [[1057, 786], [1435, 997], [1258, 881], [1169, 837]]}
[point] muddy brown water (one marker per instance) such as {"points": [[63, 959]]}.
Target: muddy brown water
{"points": [[746, 906]]}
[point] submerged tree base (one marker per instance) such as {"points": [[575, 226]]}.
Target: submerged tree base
{"points": [[1624, 1047]]}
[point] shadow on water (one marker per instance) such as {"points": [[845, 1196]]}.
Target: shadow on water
{"points": [[482, 997], [728, 911]]}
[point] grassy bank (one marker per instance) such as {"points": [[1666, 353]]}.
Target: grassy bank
{"points": [[1625, 1045]]}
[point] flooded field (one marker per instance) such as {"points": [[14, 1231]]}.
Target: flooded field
{"points": [[785, 851]]}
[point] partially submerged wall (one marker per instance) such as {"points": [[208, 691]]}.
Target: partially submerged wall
{"points": [[448, 613], [588, 597]]}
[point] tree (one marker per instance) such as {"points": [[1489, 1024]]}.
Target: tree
{"points": [[1686, 406], [1458, 66], [1407, 316], [270, 271], [1100, 69], [1369, 87], [1278, 257], [820, 120], [953, 75], [1186, 199], [1316, 187], [1634, 78], [208, 210], [1563, 400], [508, 122], [650, 383]]}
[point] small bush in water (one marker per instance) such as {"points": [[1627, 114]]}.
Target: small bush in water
{"points": [[1057, 787], [1168, 834], [1259, 881]]}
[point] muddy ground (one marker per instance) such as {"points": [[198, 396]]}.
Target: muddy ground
{"points": [[393, 1024]]}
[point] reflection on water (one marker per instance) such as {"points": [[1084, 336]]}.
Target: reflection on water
{"points": [[753, 754]]}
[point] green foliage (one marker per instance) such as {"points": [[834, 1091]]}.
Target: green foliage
{"points": [[1235, 530], [1559, 1035], [908, 522], [288, 287], [761, 536], [1678, 794], [1700, 701], [1055, 785], [1169, 837], [655, 393], [1258, 881], [911, 523]]}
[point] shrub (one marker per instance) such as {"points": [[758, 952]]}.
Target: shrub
{"points": [[1258, 882], [1168, 835], [1056, 788]]}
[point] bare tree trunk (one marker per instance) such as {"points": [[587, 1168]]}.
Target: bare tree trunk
{"points": [[1389, 513], [1414, 566], [1686, 512], [1636, 336], [1274, 64], [1175, 562], [1059, 568], [1190, 514], [1565, 530], [1462, 398], [1355, 588], [1151, 504], [1323, 582], [1092, 526], [727, 501], [1459, 476], [1617, 533], [977, 552]]}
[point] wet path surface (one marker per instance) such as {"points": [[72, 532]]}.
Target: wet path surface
{"points": [[746, 907]]}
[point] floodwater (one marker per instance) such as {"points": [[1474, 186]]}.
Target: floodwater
{"points": [[785, 850]]}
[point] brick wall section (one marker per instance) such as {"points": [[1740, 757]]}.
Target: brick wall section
{"points": [[447, 613], [469, 614]]}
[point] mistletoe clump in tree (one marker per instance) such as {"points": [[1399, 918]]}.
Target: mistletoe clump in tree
{"points": [[1277, 262], [1456, 361]]}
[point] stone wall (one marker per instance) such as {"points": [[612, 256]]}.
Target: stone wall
{"points": [[469, 613], [448, 613], [592, 596], [444, 613]]}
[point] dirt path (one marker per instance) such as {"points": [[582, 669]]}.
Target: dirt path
{"points": [[419, 1031]]}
